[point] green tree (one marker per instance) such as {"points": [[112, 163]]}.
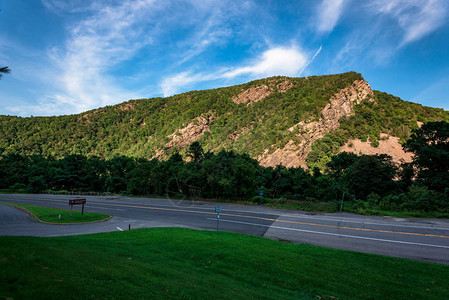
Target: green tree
{"points": [[195, 152], [340, 163], [430, 144], [370, 174]]}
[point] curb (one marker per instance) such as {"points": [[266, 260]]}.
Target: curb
{"points": [[34, 217]]}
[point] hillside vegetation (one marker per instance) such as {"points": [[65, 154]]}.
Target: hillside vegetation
{"points": [[279, 120], [371, 183]]}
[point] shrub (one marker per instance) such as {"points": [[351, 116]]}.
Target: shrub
{"points": [[18, 187], [258, 199]]}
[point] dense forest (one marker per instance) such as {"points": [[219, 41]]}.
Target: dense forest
{"points": [[149, 128], [367, 181], [208, 144]]}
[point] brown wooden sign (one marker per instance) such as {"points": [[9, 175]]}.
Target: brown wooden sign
{"points": [[76, 202]]}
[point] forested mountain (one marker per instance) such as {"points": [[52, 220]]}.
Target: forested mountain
{"points": [[279, 120]]}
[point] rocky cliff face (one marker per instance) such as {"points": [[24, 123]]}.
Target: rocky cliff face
{"points": [[258, 93], [187, 135], [341, 104], [293, 154]]}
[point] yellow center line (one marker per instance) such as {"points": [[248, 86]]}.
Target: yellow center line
{"points": [[262, 218]]}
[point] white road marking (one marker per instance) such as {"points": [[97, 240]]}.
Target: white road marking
{"points": [[119, 228], [316, 218], [336, 234], [362, 222], [103, 207]]}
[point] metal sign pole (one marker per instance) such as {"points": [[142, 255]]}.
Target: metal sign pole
{"points": [[218, 210], [341, 204], [218, 218]]}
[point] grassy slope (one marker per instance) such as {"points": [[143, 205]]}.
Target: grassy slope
{"points": [[182, 263], [51, 215]]}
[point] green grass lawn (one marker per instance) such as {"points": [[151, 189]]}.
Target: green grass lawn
{"points": [[51, 215], [183, 263]]}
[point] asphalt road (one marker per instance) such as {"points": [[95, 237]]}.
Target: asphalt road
{"points": [[420, 239]]}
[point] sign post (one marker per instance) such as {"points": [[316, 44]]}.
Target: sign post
{"points": [[218, 210], [341, 204], [77, 202]]}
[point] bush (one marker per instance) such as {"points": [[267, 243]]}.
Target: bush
{"points": [[391, 202], [258, 199], [18, 187], [373, 198], [420, 198]]}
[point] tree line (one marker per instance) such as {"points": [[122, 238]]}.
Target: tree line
{"points": [[366, 180]]}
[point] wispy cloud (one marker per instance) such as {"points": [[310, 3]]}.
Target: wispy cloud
{"points": [[417, 18], [96, 45], [73, 6], [102, 40], [311, 60], [435, 94], [212, 32], [173, 84], [388, 26], [286, 61], [110, 34], [329, 12]]}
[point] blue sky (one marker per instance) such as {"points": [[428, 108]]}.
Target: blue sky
{"points": [[69, 56]]}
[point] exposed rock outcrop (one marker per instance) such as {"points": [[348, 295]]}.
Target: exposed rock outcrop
{"points": [[341, 104], [253, 94], [126, 106], [284, 85], [187, 135], [193, 131], [258, 93]]}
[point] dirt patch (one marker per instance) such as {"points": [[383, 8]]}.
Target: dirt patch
{"points": [[387, 145], [287, 156], [341, 104]]}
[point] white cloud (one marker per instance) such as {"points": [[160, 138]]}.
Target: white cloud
{"points": [[329, 12], [73, 6], [417, 18], [171, 85], [273, 62], [57, 104], [96, 45], [112, 33]]}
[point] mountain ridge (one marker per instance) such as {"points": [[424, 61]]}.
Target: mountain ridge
{"points": [[278, 120]]}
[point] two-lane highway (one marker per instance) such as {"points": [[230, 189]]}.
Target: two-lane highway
{"points": [[426, 240]]}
